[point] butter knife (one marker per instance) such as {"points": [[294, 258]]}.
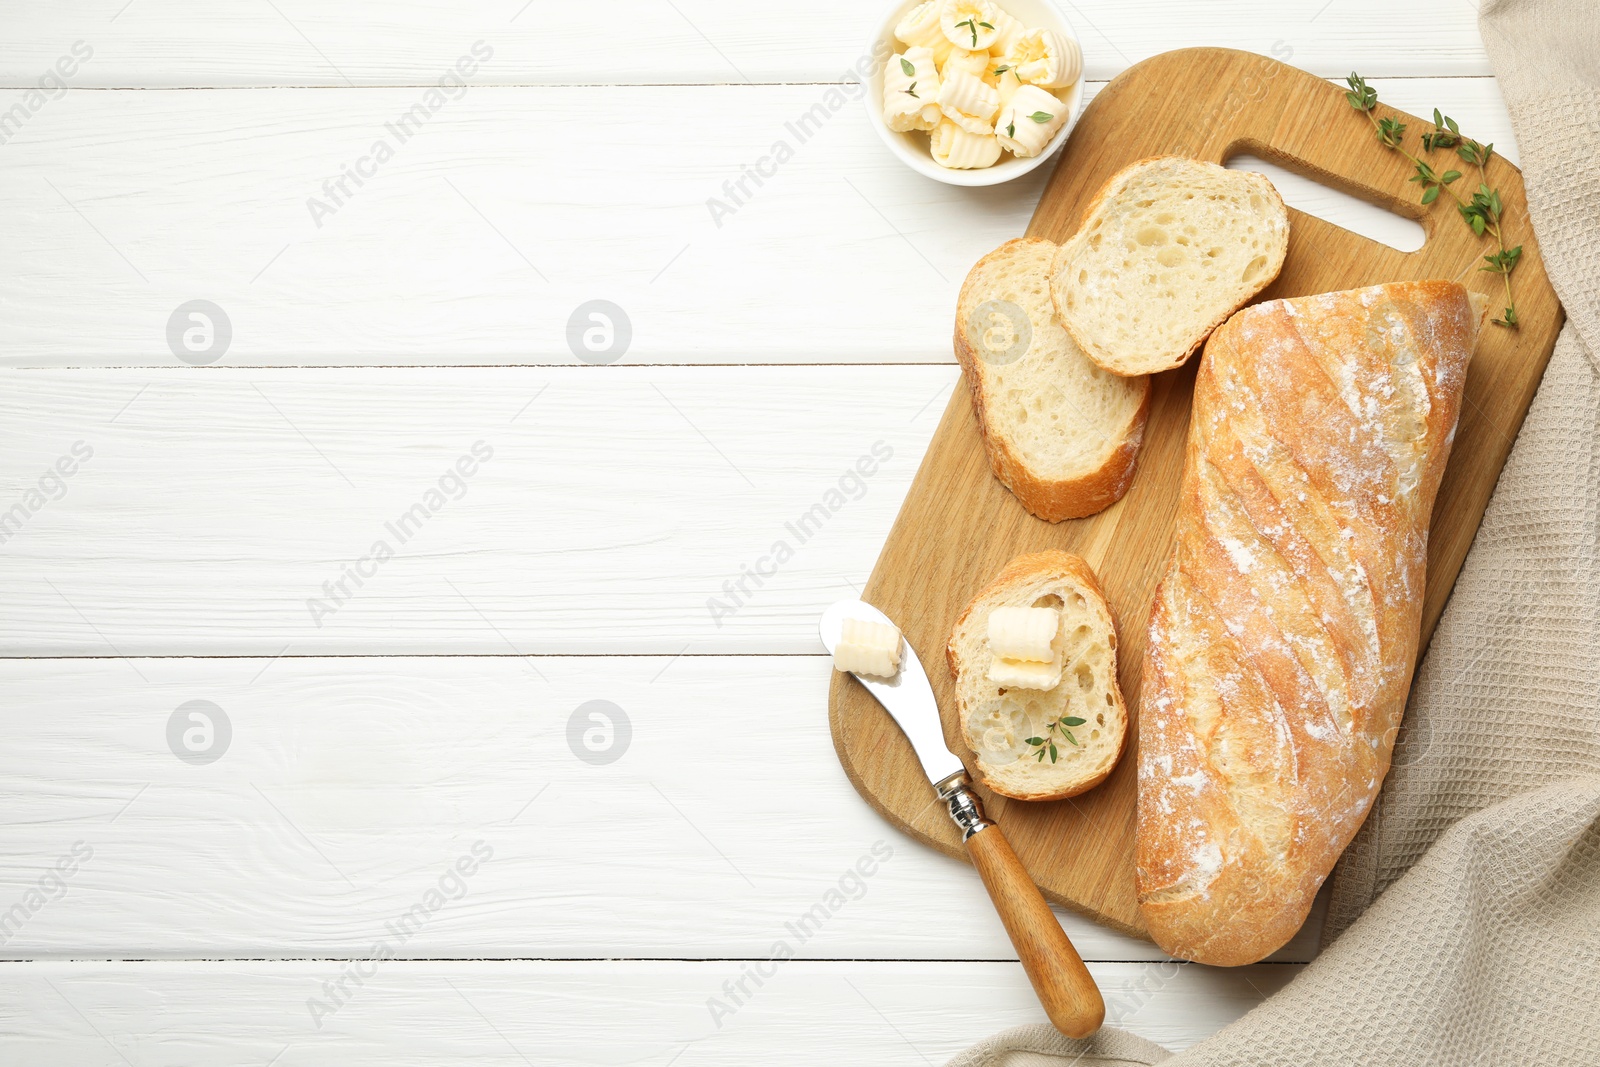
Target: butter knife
{"points": [[1063, 984]]}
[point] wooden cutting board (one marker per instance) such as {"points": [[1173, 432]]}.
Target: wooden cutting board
{"points": [[959, 526]]}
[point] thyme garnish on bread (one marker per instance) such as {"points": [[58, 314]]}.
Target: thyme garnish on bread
{"points": [[1048, 742]]}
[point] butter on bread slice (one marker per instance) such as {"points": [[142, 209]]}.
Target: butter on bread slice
{"points": [[1040, 743], [1022, 644]]}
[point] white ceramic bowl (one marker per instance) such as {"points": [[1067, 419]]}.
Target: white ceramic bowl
{"points": [[912, 148]]}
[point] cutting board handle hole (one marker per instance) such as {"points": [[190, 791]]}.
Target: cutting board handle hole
{"points": [[1302, 191]]}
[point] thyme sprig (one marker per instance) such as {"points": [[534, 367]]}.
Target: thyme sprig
{"points": [[1446, 134], [1391, 134], [1046, 745], [1482, 211]]}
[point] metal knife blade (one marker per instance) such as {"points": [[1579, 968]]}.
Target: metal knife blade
{"points": [[908, 697], [1066, 988]]}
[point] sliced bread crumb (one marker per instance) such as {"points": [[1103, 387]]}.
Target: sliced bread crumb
{"points": [[1167, 251], [998, 722]]}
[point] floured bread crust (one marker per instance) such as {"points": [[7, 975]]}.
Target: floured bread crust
{"points": [[1285, 629]]}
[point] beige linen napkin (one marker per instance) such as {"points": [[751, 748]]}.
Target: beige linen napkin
{"points": [[1484, 947]]}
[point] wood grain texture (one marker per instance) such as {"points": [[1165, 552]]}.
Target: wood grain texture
{"points": [[958, 527], [156, 43], [511, 1014], [846, 256]]}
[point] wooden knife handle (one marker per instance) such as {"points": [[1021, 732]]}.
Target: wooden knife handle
{"points": [[1060, 980], [1063, 984]]}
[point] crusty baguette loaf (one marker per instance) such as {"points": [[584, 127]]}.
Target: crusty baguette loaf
{"points": [[998, 722], [1062, 434], [1285, 629], [1167, 251]]}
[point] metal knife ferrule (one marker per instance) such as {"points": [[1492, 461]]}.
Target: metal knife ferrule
{"points": [[966, 811]]}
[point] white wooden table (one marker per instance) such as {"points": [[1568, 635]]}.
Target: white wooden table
{"points": [[402, 849]]}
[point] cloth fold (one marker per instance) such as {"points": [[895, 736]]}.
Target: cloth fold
{"points": [[1464, 920]]}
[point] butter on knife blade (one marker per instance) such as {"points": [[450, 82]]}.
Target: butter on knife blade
{"points": [[867, 647]]}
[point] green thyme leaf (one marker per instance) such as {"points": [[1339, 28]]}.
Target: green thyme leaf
{"points": [[1483, 211], [1362, 96], [1390, 131], [1445, 133], [1503, 261], [905, 65], [1046, 745], [1041, 117]]}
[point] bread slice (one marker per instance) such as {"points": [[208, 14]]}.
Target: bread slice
{"points": [[998, 722], [1062, 434], [1167, 251]]}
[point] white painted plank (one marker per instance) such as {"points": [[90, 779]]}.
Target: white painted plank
{"points": [[314, 42], [221, 510], [339, 792], [478, 241], [514, 1014]]}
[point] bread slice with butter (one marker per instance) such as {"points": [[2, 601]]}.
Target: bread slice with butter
{"points": [[1062, 434], [1034, 742], [1167, 251]]}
